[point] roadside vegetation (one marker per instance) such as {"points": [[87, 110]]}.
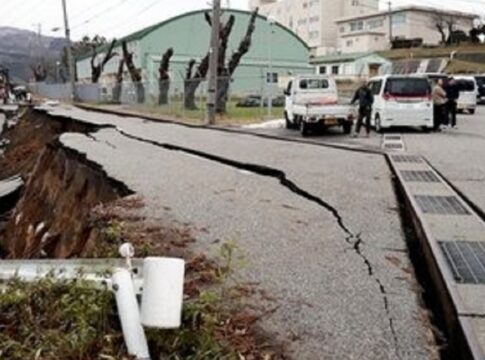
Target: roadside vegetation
{"points": [[54, 320]]}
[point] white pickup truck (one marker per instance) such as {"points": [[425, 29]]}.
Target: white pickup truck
{"points": [[312, 102]]}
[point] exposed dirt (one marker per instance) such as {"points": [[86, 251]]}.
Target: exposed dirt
{"points": [[237, 316], [29, 137], [71, 208], [51, 219]]}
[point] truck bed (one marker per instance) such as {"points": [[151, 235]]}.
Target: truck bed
{"points": [[319, 111]]}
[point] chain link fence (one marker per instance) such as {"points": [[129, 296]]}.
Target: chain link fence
{"points": [[240, 100]]}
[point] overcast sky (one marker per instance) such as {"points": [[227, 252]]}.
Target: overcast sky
{"points": [[115, 18]]}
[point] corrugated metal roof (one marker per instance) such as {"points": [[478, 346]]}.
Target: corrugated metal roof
{"points": [[144, 32]]}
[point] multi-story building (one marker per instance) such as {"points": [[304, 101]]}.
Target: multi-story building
{"points": [[314, 20], [373, 32]]}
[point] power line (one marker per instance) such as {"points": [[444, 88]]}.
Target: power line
{"points": [[98, 14], [132, 17]]}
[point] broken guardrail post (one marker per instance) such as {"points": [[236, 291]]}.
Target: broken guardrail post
{"points": [[161, 288]]}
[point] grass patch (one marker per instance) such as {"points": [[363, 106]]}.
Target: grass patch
{"points": [[72, 320]]}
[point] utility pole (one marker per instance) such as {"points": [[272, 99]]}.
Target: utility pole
{"points": [[70, 58], [213, 62], [390, 23]]}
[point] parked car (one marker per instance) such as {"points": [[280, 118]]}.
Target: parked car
{"points": [[402, 100], [312, 102], [250, 101], [480, 79], [468, 93]]}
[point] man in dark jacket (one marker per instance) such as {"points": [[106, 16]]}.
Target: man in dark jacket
{"points": [[452, 93], [366, 99]]}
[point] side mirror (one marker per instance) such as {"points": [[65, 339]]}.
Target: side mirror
{"points": [[286, 92]]}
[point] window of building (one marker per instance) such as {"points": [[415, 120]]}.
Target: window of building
{"points": [[313, 34], [305, 5], [398, 19], [335, 69], [301, 22], [342, 29], [322, 70], [375, 24], [355, 3], [314, 19], [356, 26], [349, 43], [272, 78]]}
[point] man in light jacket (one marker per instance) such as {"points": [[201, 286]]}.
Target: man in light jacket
{"points": [[440, 101]]}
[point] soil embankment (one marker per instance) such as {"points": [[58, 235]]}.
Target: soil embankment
{"points": [[51, 218]]}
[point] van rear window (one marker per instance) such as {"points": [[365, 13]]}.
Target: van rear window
{"points": [[466, 85], [408, 87], [313, 84]]}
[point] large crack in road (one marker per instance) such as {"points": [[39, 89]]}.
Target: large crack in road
{"points": [[353, 239]]}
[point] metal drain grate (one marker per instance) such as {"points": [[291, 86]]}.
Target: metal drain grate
{"points": [[393, 146], [442, 205], [420, 176], [466, 260], [407, 159], [393, 137]]}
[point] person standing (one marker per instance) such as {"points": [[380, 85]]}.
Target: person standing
{"points": [[440, 102], [452, 93], [366, 99]]}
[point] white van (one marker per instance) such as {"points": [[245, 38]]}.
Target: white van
{"points": [[401, 100], [468, 93]]}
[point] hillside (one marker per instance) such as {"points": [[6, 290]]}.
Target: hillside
{"points": [[19, 49]]}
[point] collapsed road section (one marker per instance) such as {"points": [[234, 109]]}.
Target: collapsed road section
{"points": [[300, 225], [49, 216]]}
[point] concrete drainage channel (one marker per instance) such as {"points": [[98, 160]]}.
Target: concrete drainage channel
{"points": [[451, 246]]}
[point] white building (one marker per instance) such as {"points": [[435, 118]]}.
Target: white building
{"points": [[314, 20], [372, 32]]}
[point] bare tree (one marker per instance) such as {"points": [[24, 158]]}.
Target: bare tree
{"points": [[445, 25], [97, 69], [164, 77], [135, 73], [224, 71], [439, 24], [119, 82]]}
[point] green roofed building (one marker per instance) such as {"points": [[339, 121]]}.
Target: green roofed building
{"points": [[189, 36]]}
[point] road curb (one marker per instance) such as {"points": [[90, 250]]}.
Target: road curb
{"points": [[440, 226], [358, 149]]}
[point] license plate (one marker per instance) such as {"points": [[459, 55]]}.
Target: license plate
{"points": [[331, 121]]}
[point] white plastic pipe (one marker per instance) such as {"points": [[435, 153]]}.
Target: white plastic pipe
{"points": [[129, 314], [163, 291]]}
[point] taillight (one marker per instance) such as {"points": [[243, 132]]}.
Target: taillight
{"points": [[387, 96]]}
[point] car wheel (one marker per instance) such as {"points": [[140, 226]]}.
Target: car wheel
{"points": [[303, 128], [378, 124], [472, 111], [347, 127]]}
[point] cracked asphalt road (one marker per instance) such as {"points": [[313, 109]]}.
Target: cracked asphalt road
{"points": [[319, 227]]}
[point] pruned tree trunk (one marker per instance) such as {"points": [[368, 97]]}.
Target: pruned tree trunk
{"points": [[134, 73], [227, 73], [164, 78], [192, 81], [119, 82], [97, 69]]}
